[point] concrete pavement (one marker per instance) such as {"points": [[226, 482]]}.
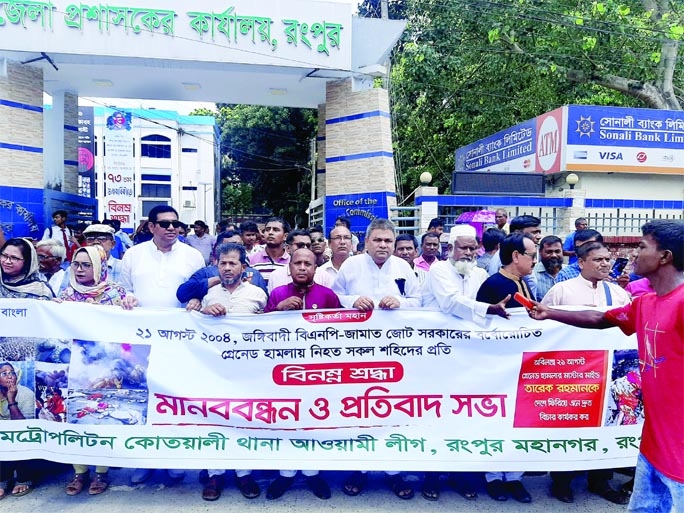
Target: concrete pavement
{"points": [[157, 495]]}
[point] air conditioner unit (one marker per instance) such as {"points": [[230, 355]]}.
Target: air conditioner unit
{"points": [[188, 204]]}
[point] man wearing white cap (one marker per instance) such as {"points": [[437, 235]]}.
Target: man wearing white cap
{"points": [[451, 286], [103, 235]]}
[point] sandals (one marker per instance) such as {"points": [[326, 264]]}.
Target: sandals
{"points": [[431, 488], [355, 484], [212, 489], [75, 486], [99, 483], [248, 486], [4, 486], [27, 488], [401, 488]]}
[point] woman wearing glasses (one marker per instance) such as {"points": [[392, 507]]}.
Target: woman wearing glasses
{"points": [[88, 280], [88, 284], [19, 277]]}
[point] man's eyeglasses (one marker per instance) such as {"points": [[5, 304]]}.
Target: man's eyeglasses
{"points": [[531, 255], [468, 248], [5, 374], [82, 265], [341, 237], [99, 239], [45, 257], [166, 224], [300, 245], [11, 258]]}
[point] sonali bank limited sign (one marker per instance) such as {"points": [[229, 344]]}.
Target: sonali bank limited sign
{"points": [[533, 146], [296, 33], [583, 138]]}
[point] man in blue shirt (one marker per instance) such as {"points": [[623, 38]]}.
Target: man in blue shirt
{"points": [[193, 291], [569, 244]]}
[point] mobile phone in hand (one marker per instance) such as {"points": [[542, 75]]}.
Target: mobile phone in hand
{"points": [[618, 267]]}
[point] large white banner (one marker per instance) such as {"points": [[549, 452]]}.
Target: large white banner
{"points": [[404, 390]]}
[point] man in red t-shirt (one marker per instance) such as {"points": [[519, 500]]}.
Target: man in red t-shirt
{"points": [[658, 321]]}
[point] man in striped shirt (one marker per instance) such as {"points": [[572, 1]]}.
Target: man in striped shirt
{"points": [[273, 255]]}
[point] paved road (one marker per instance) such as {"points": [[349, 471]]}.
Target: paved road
{"points": [[158, 496]]}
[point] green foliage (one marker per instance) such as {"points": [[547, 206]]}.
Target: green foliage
{"points": [[469, 69], [265, 164], [371, 9]]}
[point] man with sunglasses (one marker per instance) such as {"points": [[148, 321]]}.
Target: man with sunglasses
{"points": [[319, 245], [154, 270], [296, 239]]}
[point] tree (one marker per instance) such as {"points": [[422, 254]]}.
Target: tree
{"points": [[372, 9], [630, 47], [467, 70], [265, 165]]}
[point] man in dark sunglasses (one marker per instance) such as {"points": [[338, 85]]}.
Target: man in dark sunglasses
{"points": [[153, 271], [319, 245]]}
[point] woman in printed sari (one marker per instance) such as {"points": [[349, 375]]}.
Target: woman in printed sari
{"points": [[17, 402], [88, 284], [19, 277]]}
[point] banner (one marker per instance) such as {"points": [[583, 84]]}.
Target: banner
{"points": [[86, 152], [333, 390], [119, 168]]}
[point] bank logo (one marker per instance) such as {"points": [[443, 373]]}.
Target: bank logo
{"points": [[641, 157], [580, 155], [585, 126]]}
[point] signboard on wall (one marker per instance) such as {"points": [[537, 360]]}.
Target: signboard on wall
{"points": [[583, 138], [361, 209], [511, 150], [86, 152], [615, 139], [119, 167]]}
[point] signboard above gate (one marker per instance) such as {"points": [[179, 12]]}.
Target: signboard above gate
{"points": [[294, 33]]}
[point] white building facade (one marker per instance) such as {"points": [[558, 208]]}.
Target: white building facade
{"points": [[166, 159]]}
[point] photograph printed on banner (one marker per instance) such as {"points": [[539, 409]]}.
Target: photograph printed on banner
{"points": [[19, 374], [51, 391], [108, 383], [17, 349], [625, 405]]}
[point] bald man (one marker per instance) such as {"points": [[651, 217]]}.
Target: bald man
{"points": [[302, 293]]}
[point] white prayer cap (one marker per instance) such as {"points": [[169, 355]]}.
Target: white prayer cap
{"points": [[461, 230], [99, 228]]}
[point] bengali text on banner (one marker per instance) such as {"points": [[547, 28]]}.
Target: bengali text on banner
{"points": [[381, 390]]}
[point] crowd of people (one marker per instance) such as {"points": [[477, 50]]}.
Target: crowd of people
{"points": [[250, 269]]}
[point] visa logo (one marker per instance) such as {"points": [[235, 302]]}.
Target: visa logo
{"points": [[610, 155]]}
